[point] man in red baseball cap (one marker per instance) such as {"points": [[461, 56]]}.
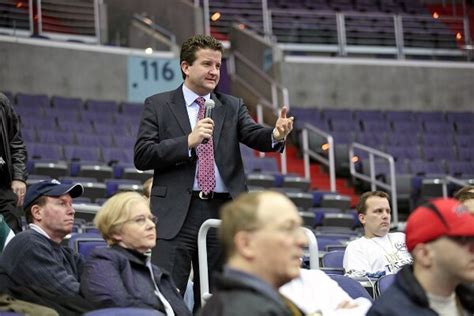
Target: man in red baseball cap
{"points": [[440, 237]]}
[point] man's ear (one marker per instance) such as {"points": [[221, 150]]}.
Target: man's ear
{"points": [[423, 254], [361, 218], [185, 67], [36, 212], [243, 244]]}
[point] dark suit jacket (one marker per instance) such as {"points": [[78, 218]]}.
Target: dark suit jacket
{"points": [[162, 145]]}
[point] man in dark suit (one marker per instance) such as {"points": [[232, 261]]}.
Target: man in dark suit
{"points": [[172, 139]]}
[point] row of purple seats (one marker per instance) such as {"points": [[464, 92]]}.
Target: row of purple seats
{"points": [[425, 153], [95, 191], [87, 127], [58, 103], [315, 114], [66, 114], [381, 140], [57, 152], [78, 138], [419, 167]]}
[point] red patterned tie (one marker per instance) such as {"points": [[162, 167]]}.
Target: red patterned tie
{"points": [[205, 153]]}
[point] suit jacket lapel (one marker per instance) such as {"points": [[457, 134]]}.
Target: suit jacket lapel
{"points": [[178, 107], [218, 116]]}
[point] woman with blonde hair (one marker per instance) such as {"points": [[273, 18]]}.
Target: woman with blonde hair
{"points": [[121, 275]]}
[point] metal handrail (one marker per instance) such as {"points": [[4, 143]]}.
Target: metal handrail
{"points": [[274, 85], [307, 153], [259, 107], [91, 38], [451, 179], [202, 255], [147, 22], [400, 49], [392, 187]]}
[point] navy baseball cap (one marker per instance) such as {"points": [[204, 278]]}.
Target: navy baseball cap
{"points": [[51, 188]]}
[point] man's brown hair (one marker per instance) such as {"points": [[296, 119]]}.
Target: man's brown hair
{"points": [[465, 193], [362, 205], [193, 44], [41, 201]]}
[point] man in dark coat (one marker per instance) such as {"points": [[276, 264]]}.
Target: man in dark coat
{"points": [[12, 165], [440, 237], [263, 242]]}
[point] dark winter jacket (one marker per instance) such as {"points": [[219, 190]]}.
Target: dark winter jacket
{"points": [[12, 148], [407, 297], [117, 277]]}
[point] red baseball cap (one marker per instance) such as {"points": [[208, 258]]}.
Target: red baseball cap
{"points": [[438, 218]]}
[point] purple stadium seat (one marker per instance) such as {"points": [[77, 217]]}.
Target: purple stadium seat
{"points": [[466, 140], [465, 127], [56, 137], [93, 140], [412, 128], [40, 123], [96, 106], [401, 139], [72, 126], [342, 114], [427, 168], [466, 153], [32, 100], [64, 114], [118, 155], [403, 152], [29, 135], [398, 116], [124, 141], [371, 139], [369, 115], [82, 153], [132, 109], [437, 140], [375, 126], [460, 168], [436, 153], [455, 117], [255, 164], [343, 125], [435, 116], [71, 104], [113, 129], [98, 118], [45, 152], [438, 127]]}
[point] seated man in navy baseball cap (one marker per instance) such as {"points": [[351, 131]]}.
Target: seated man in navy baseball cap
{"points": [[35, 257], [440, 237]]}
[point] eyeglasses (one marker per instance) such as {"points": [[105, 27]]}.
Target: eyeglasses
{"points": [[141, 219]]}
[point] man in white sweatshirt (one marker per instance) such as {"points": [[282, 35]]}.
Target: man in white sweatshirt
{"points": [[378, 252]]}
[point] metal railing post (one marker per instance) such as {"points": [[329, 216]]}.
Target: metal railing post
{"points": [[392, 187]]}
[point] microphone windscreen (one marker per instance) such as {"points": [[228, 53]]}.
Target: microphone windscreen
{"points": [[209, 105]]}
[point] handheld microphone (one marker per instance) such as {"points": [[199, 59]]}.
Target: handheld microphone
{"points": [[208, 105]]}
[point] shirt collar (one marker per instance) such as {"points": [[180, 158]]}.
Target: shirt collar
{"points": [[190, 96], [38, 229]]}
